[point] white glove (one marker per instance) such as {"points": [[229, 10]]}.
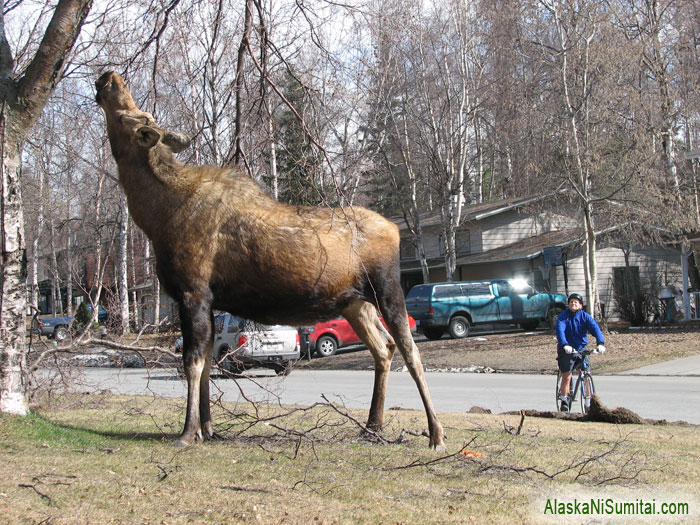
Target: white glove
{"points": [[600, 349], [568, 349]]}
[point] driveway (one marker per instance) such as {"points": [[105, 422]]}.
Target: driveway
{"points": [[686, 366]]}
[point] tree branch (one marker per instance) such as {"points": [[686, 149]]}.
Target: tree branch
{"points": [[45, 69], [6, 59]]}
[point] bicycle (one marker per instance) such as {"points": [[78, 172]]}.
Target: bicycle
{"points": [[584, 382]]}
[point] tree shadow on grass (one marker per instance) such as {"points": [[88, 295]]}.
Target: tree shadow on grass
{"points": [[126, 435]]}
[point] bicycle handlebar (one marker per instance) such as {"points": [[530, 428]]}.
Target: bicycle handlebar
{"points": [[585, 351]]}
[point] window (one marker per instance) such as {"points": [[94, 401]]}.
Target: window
{"points": [[626, 281], [448, 290], [504, 289], [462, 243], [407, 249], [477, 289]]}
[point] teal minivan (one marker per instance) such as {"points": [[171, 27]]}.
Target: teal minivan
{"points": [[457, 306]]}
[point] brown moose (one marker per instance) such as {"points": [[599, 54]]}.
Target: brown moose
{"points": [[222, 243]]}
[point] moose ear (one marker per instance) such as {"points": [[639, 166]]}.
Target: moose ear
{"points": [[146, 137], [176, 141]]}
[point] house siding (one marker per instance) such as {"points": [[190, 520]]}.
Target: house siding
{"points": [[514, 226], [658, 266], [505, 229]]}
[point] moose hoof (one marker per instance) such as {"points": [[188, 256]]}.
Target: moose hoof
{"points": [[185, 440], [437, 441], [439, 447], [371, 434]]}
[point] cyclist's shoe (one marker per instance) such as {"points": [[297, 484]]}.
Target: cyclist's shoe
{"points": [[564, 404]]}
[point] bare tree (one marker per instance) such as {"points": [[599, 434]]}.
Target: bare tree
{"points": [[24, 94]]}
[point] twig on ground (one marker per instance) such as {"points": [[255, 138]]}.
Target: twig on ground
{"points": [[365, 430]]}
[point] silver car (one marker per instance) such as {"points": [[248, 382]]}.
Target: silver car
{"points": [[240, 344]]}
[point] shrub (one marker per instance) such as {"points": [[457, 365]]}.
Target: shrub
{"points": [[637, 310], [83, 315]]}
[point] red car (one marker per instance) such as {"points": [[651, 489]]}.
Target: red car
{"points": [[328, 336]]}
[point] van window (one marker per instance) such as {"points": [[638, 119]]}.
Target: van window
{"points": [[504, 289], [419, 292], [448, 290], [477, 289]]}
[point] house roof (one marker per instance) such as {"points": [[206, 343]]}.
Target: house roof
{"points": [[525, 249], [477, 212], [532, 247]]}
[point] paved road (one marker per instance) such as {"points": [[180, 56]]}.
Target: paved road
{"points": [[655, 397]]}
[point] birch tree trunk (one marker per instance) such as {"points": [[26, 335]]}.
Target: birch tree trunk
{"points": [[132, 279], [122, 267], [12, 308], [156, 300], [35, 245], [69, 245], [56, 302], [21, 102], [578, 119]]}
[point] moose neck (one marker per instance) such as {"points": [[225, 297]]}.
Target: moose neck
{"points": [[149, 193]]}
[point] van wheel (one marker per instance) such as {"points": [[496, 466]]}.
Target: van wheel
{"points": [[433, 333], [60, 334], [459, 327], [529, 326], [326, 346], [553, 315]]}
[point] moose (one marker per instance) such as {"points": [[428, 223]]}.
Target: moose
{"points": [[222, 243]]}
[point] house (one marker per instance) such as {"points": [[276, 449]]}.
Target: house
{"points": [[533, 238], [146, 296]]}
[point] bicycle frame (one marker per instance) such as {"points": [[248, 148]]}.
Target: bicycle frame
{"points": [[584, 382]]}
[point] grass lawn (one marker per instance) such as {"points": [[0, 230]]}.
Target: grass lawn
{"points": [[107, 459]]}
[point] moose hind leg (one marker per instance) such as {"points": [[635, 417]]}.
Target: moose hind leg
{"points": [[362, 316], [197, 338], [204, 406], [393, 308]]}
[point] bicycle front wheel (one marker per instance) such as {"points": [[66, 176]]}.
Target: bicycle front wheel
{"points": [[587, 391]]}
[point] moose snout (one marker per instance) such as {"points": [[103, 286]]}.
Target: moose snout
{"points": [[101, 83]]}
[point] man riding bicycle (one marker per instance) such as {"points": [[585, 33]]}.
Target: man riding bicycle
{"points": [[572, 326]]}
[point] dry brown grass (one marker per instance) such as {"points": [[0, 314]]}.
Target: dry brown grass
{"points": [[101, 459], [535, 352]]}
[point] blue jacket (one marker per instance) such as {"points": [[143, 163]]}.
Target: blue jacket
{"points": [[572, 328]]}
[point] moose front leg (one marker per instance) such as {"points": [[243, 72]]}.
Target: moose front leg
{"points": [[197, 339], [204, 406]]}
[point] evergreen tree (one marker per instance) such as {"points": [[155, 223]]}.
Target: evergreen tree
{"points": [[300, 169]]}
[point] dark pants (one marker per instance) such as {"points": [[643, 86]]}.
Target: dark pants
{"points": [[568, 362]]}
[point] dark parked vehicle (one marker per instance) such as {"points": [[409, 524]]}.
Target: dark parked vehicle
{"points": [[102, 314], [59, 327], [457, 306], [56, 327]]}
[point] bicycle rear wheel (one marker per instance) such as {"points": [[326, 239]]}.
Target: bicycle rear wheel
{"points": [[557, 391], [587, 391]]}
